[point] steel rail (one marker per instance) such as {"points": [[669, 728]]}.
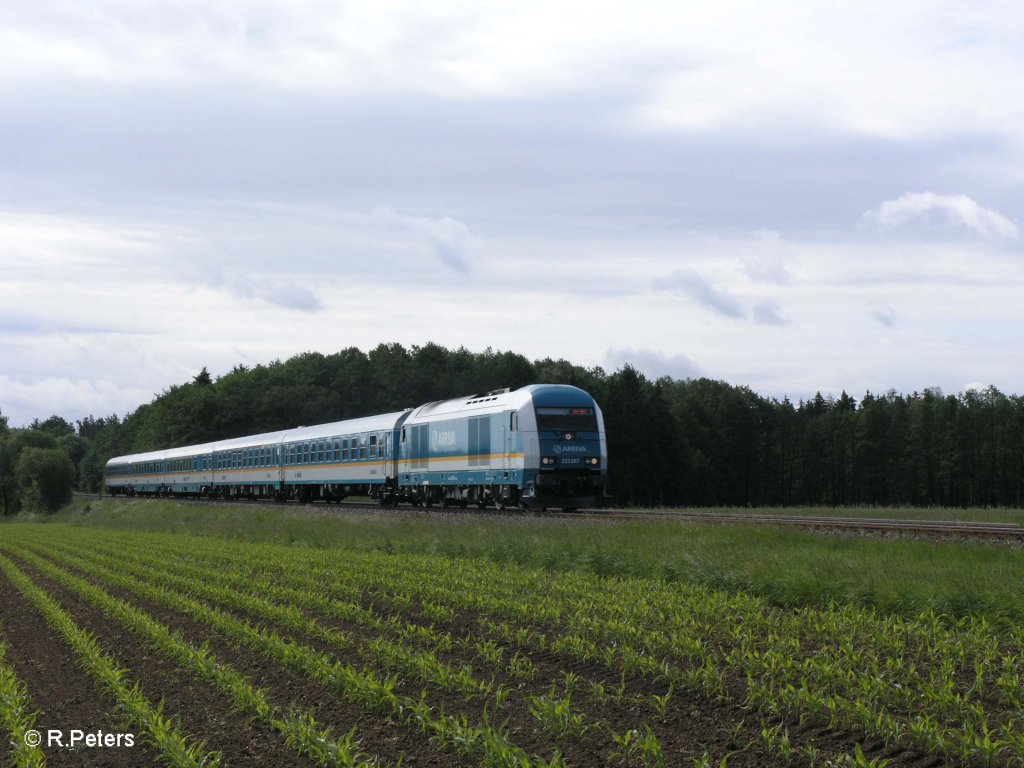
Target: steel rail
{"points": [[935, 528]]}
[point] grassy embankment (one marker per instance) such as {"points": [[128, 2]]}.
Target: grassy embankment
{"points": [[787, 567]]}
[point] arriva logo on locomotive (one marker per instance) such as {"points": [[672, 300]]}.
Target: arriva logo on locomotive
{"points": [[559, 449], [442, 439]]}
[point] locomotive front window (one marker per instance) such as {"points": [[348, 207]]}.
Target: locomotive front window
{"points": [[567, 419]]}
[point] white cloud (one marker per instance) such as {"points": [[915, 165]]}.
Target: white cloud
{"points": [[959, 210], [24, 401], [766, 312], [885, 315], [704, 293], [651, 363], [764, 259], [896, 70], [449, 240]]}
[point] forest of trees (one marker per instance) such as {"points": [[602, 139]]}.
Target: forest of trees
{"points": [[694, 442]]}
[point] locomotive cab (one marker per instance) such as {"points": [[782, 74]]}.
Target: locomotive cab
{"points": [[566, 448]]}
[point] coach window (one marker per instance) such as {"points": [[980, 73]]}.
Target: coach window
{"points": [[322, 457], [373, 446], [362, 446], [344, 449]]}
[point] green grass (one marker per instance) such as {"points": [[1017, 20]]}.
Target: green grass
{"points": [[787, 567]]}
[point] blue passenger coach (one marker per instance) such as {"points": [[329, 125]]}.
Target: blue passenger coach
{"points": [[542, 445]]}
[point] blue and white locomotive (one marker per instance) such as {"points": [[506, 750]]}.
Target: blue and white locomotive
{"points": [[542, 445]]}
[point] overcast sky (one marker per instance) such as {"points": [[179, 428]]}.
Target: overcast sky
{"points": [[797, 197]]}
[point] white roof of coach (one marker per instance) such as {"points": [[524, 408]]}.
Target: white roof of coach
{"points": [[350, 426], [380, 423]]}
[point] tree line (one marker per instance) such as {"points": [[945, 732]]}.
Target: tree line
{"points": [[692, 442]]}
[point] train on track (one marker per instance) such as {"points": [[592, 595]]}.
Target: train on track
{"points": [[539, 446]]}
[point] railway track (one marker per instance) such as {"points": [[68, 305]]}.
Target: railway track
{"points": [[939, 528], [880, 526]]}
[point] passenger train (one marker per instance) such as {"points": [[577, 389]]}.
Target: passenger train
{"points": [[538, 446]]}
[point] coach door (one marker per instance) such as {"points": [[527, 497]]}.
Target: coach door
{"points": [[280, 457], [508, 428]]}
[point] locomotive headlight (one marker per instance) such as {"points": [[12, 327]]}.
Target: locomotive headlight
{"points": [[547, 460], [595, 460]]}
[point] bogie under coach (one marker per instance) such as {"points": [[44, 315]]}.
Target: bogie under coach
{"points": [[539, 446]]}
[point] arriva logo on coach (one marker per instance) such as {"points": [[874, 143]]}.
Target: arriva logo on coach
{"points": [[442, 439]]}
